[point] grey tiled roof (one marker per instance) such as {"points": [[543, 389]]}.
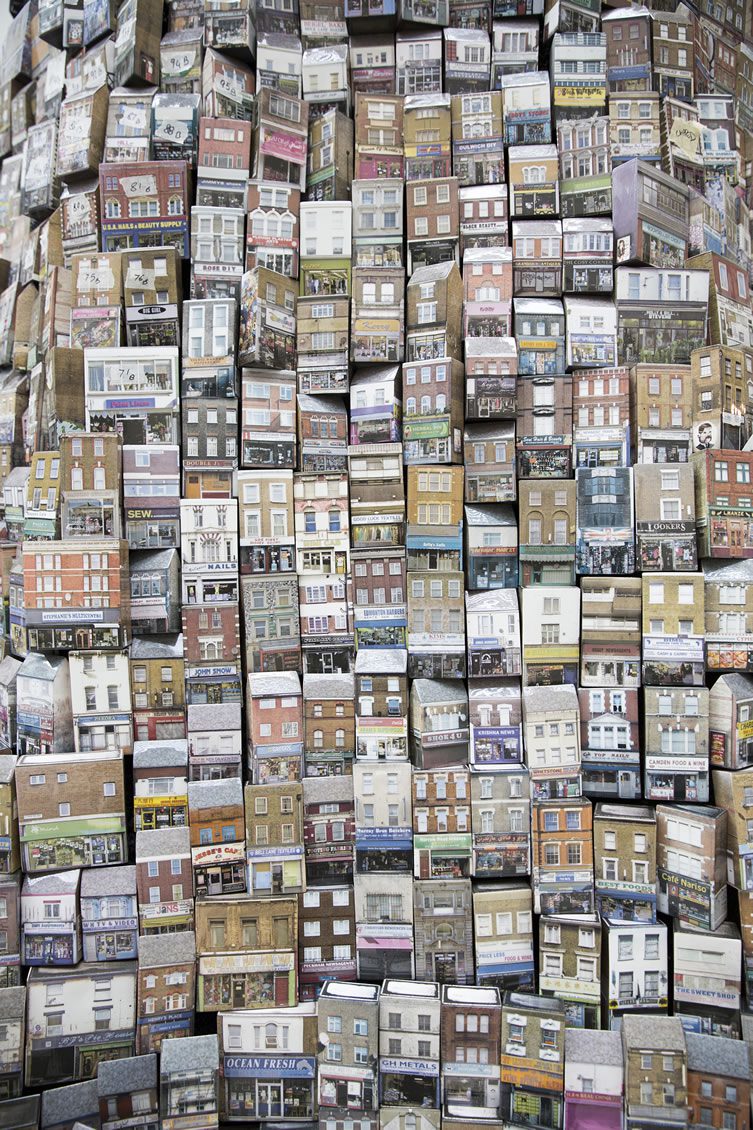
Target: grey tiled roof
{"points": [[497, 429], [167, 949], [214, 716], [146, 560], [620, 14], [42, 666], [536, 227], [718, 1055], [328, 686], [513, 1000], [381, 661], [496, 514], [19, 1112], [156, 647], [434, 272], [96, 881], [740, 685], [160, 754], [374, 375], [563, 697], [533, 153], [279, 682], [12, 1002], [488, 254], [136, 1073], [8, 669], [416, 101], [318, 790], [280, 39], [61, 883], [163, 841], [625, 811], [594, 1046], [330, 405], [661, 1034], [586, 224], [17, 476], [493, 600], [63, 1104], [488, 346], [539, 305], [212, 794], [190, 1053], [438, 690], [333, 53]]}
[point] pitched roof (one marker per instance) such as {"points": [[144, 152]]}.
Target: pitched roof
{"points": [[117, 1076], [190, 1053], [718, 1055], [108, 881]]}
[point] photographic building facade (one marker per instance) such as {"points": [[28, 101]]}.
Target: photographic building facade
{"points": [[376, 396]]}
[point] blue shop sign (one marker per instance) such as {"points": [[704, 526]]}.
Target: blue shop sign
{"points": [[384, 837], [430, 541], [131, 402], [269, 1066], [641, 70]]}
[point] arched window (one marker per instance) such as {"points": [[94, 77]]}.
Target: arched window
{"points": [[410, 405], [340, 739], [440, 403], [175, 206], [318, 739], [425, 405]]}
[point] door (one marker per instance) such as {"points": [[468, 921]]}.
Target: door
{"points": [[134, 432], [556, 575], [268, 1099], [624, 785], [239, 990], [444, 968]]}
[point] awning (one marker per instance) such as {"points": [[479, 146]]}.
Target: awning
{"points": [[63, 829], [373, 943]]}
